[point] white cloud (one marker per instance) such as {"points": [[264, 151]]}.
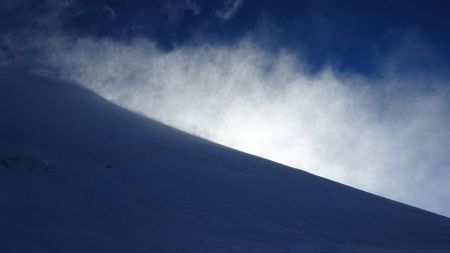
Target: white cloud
{"points": [[229, 9], [110, 10], [387, 136], [54, 12]]}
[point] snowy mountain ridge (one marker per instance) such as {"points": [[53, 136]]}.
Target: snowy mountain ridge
{"points": [[80, 174]]}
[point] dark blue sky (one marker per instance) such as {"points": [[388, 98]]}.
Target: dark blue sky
{"points": [[352, 35]]}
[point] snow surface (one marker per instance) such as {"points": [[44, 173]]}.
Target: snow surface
{"points": [[79, 174]]}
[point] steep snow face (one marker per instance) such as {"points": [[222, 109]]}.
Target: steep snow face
{"points": [[79, 174]]}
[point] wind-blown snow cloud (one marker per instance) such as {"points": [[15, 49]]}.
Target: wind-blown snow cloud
{"points": [[388, 136]]}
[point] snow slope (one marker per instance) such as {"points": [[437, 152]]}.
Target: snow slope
{"points": [[79, 174]]}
